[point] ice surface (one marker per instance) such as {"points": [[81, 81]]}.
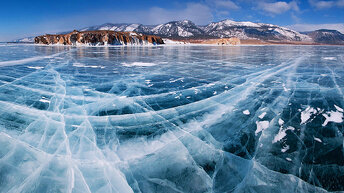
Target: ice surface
{"points": [[171, 119]]}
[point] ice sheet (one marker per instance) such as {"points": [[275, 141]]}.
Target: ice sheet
{"points": [[171, 119]]}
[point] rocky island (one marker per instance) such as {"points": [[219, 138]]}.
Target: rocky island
{"points": [[99, 37]]}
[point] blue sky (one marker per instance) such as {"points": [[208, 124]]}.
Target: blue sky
{"points": [[21, 18]]}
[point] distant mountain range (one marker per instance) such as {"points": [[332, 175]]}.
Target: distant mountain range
{"points": [[25, 40], [227, 28], [326, 36]]}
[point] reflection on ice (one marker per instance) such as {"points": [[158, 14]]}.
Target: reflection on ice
{"points": [[171, 119]]}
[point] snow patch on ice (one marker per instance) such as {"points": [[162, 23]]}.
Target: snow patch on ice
{"points": [[285, 88], [80, 65], [43, 100], [333, 116], [329, 58], [280, 121], [261, 126], [282, 133], [338, 108], [35, 67], [246, 112], [306, 114], [144, 64], [262, 115], [285, 148]]}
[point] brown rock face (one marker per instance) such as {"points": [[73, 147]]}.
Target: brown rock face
{"points": [[101, 37]]}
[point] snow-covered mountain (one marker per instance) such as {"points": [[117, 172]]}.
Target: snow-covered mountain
{"points": [[326, 36], [249, 30], [224, 29], [183, 28], [122, 27], [25, 40]]}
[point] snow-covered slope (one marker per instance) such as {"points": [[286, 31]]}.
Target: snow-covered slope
{"points": [[223, 29], [183, 28], [122, 27], [248, 30], [25, 40]]}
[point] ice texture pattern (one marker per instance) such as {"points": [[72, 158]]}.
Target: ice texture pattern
{"points": [[171, 119]]}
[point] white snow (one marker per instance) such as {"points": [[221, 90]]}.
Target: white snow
{"points": [[261, 126], [290, 35], [318, 140], [183, 33], [284, 149], [228, 22], [35, 67], [173, 42], [262, 115], [338, 108], [133, 34], [280, 121], [306, 114], [144, 64], [329, 58], [285, 88], [282, 133], [43, 100], [131, 27], [333, 116], [80, 65], [246, 112]]}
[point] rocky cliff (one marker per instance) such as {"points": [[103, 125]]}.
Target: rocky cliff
{"points": [[100, 37]]}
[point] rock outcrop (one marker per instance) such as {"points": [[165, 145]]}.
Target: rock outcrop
{"points": [[99, 37]]}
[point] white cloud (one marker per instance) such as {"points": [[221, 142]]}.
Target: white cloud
{"points": [[278, 7], [312, 27], [340, 3], [326, 4], [225, 4], [196, 12]]}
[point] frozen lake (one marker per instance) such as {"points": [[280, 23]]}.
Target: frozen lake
{"points": [[171, 119]]}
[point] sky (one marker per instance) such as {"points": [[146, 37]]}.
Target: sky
{"points": [[23, 18]]}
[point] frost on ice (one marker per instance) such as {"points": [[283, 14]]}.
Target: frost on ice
{"points": [[171, 119]]}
